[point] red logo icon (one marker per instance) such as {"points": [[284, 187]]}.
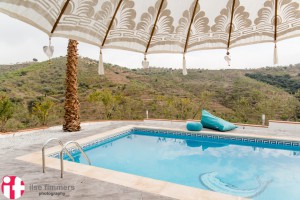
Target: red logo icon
{"points": [[12, 187]]}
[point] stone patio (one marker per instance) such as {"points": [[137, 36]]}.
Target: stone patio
{"points": [[85, 188]]}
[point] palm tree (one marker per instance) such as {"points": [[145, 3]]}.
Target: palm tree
{"points": [[71, 118]]}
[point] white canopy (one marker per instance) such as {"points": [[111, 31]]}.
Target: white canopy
{"points": [[180, 25]]}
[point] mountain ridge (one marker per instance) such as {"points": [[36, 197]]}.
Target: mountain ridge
{"points": [[164, 92]]}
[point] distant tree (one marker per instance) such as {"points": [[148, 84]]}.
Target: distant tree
{"points": [[42, 109], [109, 101], [6, 111], [242, 106], [30, 105], [204, 98], [297, 94], [285, 81], [164, 105], [183, 107]]}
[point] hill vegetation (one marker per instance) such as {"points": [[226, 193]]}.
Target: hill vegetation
{"points": [[285, 81], [36, 93]]}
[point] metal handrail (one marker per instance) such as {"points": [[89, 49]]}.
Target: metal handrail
{"points": [[43, 151], [65, 149]]}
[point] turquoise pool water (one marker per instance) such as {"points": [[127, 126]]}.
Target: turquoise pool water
{"points": [[258, 171]]}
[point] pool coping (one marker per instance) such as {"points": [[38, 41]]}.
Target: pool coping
{"points": [[133, 181]]}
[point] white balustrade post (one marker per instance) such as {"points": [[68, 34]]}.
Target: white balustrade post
{"points": [[263, 118]]}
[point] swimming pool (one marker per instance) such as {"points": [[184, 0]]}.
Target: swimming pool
{"points": [[240, 166]]}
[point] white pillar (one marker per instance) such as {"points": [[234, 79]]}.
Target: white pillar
{"points": [[263, 118]]}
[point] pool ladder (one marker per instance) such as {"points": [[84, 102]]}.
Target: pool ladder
{"points": [[64, 148]]}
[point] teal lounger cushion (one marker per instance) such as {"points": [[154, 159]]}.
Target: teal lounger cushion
{"points": [[212, 122], [194, 126]]}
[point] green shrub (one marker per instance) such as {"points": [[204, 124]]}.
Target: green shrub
{"points": [[42, 109], [6, 111]]}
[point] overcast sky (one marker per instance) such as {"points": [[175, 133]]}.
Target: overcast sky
{"points": [[20, 42]]}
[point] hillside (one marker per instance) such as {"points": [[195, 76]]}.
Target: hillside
{"points": [[166, 93], [287, 78]]}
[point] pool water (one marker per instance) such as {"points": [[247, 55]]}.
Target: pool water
{"points": [[258, 172]]}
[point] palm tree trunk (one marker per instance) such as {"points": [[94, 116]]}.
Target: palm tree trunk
{"points": [[71, 118]]}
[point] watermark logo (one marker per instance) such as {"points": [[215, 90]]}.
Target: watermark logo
{"points": [[12, 187]]}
